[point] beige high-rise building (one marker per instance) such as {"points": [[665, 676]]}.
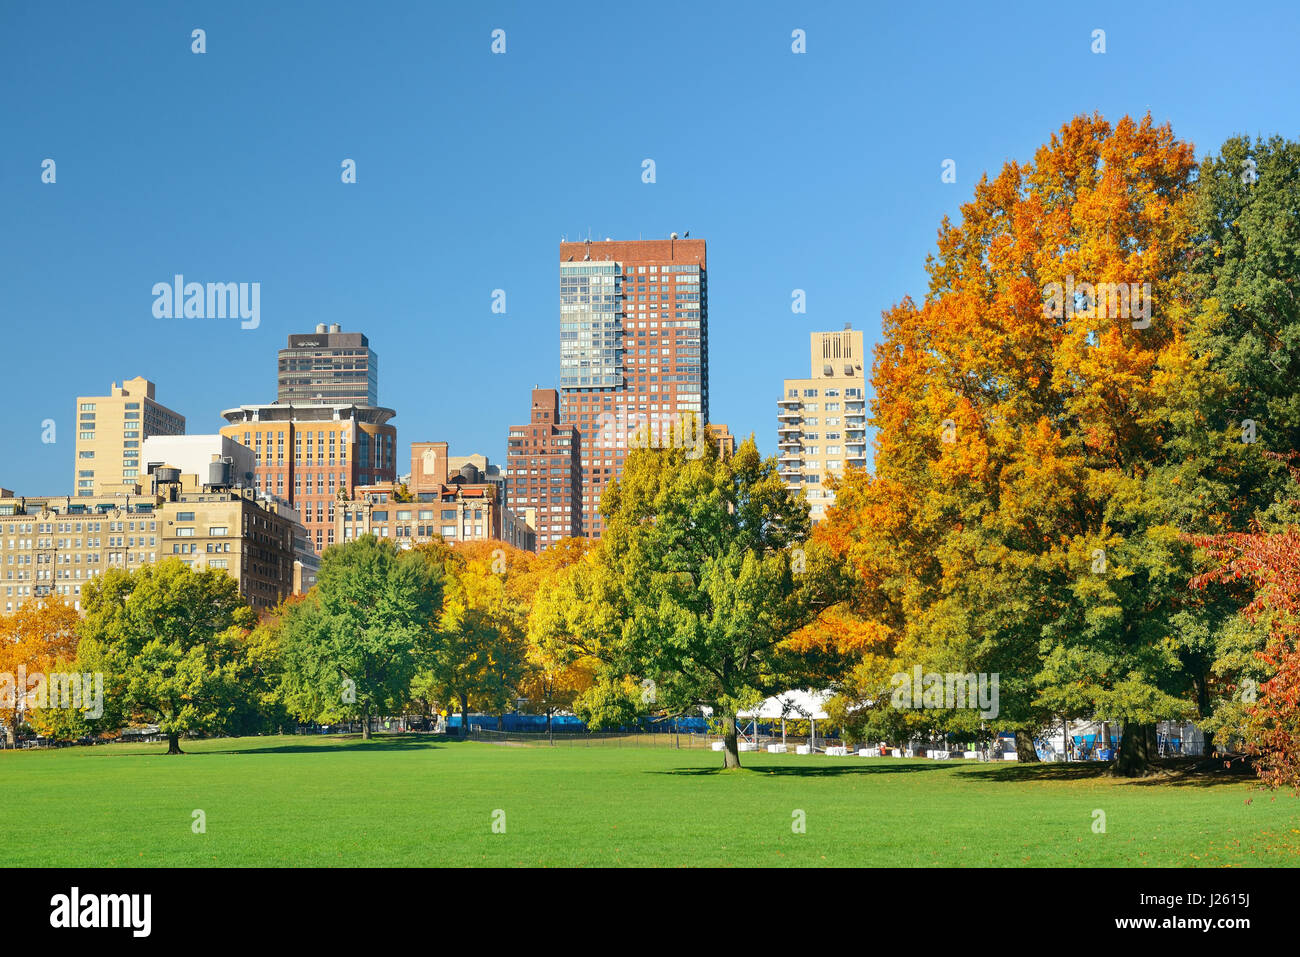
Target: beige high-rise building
{"points": [[821, 420], [722, 439], [111, 430]]}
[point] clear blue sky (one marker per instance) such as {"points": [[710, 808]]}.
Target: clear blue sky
{"points": [[818, 171]]}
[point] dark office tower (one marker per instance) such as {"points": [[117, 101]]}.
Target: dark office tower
{"points": [[543, 481], [328, 367], [634, 349]]}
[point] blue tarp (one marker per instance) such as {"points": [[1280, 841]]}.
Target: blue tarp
{"points": [[568, 724]]}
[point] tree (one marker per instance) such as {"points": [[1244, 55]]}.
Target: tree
{"points": [[696, 584], [353, 646], [1236, 413], [1263, 569], [557, 674], [260, 657], [480, 655], [168, 640], [34, 641], [1012, 525], [1245, 260], [610, 702]]}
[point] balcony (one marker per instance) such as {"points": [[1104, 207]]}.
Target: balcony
{"points": [[786, 428], [788, 403]]}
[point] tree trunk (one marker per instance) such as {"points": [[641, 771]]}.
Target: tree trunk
{"points": [[174, 743], [464, 716], [730, 753], [1204, 708], [1137, 746], [365, 724], [1025, 751]]}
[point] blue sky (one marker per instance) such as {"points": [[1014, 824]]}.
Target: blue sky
{"points": [[818, 171]]}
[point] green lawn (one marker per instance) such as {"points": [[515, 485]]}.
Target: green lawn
{"points": [[426, 801]]}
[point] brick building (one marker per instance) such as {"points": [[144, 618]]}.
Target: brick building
{"points": [[634, 349], [436, 504], [543, 474], [308, 454]]}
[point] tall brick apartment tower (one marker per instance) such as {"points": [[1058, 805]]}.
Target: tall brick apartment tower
{"points": [[634, 348], [544, 481]]}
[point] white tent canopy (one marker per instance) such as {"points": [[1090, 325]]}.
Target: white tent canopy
{"points": [[795, 705]]}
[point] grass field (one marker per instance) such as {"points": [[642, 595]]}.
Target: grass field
{"points": [[424, 801]]}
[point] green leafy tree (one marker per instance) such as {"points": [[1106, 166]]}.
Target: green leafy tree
{"points": [[168, 639], [701, 579], [610, 703], [1246, 261], [1236, 410], [353, 646], [481, 653]]}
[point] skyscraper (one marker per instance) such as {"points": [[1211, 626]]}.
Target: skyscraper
{"points": [[634, 349], [821, 420], [328, 367], [110, 430]]}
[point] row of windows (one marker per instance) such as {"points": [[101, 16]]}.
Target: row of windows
{"points": [[404, 515]]}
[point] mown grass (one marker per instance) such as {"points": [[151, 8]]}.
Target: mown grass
{"points": [[424, 801]]}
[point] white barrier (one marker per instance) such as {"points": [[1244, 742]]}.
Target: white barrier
{"points": [[719, 745], [837, 752], [802, 749], [776, 749]]}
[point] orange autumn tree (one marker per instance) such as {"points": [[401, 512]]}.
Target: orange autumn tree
{"points": [[555, 678], [1268, 564], [1008, 527], [38, 638], [1260, 569]]}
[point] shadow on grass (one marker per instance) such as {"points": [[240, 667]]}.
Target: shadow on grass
{"points": [[333, 743], [813, 770], [1173, 772]]}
